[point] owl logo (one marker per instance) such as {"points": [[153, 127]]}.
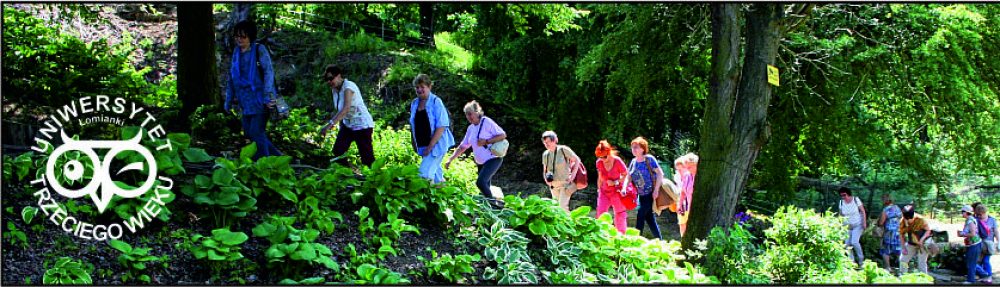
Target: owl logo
{"points": [[101, 187]]}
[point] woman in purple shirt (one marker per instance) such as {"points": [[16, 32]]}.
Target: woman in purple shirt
{"points": [[481, 133]]}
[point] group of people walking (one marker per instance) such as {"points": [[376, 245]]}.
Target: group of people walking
{"points": [[251, 90], [907, 235], [621, 187]]}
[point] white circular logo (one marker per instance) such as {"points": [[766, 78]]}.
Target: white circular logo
{"points": [[80, 163]]}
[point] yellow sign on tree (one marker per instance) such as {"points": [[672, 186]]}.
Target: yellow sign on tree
{"points": [[772, 75]]}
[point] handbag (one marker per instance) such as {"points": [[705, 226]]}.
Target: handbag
{"points": [[990, 247], [581, 175], [498, 149], [631, 198]]}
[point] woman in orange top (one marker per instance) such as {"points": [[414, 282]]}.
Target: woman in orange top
{"points": [[611, 174]]}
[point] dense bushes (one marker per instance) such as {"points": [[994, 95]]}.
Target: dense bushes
{"points": [[802, 246], [43, 67]]}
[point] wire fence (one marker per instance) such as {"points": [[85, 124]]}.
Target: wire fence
{"points": [[386, 33]]}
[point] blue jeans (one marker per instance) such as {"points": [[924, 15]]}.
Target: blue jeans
{"points": [[255, 128], [971, 256], [985, 269], [486, 172], [646, 215]]}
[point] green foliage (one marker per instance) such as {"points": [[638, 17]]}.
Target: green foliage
{"points": [[539, 216], [386, 233], [16, 168], [66, 271], [227, 199], [13, 234], [596, 254], [135, 260], [210, 122], [293, 250], [271, 173], [400, 189], [733, 257], [508, 248], [448, 267], [804, 242], [219, 250], [371, 274], [307, 281], [55, 67]]}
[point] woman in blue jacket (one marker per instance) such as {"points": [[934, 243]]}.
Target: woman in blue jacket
{"points": [[430, 129], [251, 82]]}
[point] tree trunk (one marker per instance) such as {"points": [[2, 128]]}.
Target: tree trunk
{"points": [[197, 75], [427, 23], [735, 124]]}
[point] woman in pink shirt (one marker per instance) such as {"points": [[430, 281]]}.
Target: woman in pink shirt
{"points": [[611, 172], [481, 133]]}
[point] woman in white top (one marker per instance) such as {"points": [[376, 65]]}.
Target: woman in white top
{"points": [[852, 208], [355, 122]]}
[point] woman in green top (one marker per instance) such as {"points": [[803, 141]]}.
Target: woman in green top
{"points": [[972, 242]]}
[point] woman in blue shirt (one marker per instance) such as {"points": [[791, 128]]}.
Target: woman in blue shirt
{"points": [[251, 81], [429, 127]]}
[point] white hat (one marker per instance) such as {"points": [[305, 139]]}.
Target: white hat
{"points": [[967, 208]]}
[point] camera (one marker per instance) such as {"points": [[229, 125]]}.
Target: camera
{"points": [[549, 177]]}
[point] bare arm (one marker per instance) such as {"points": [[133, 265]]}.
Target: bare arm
{"points": [[881, 220], [348, 98], [434, 139], [459, 151], [864, 215], [927, 233]]}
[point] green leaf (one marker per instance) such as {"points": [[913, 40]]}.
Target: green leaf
{"points": [[129, 132], [212, 255], [179, 141], [274, 252], [306, 252], [264, 230], [196, 155], [538, 227], [28, 213], [247, 152], [310, 235], [203, 181], [120, 246], [287, 195], [229, 238], [222, 177], [225, 198]]}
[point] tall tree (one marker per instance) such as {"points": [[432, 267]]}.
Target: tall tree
{"points": [[197, 74], [427, 23], [735, 126]]}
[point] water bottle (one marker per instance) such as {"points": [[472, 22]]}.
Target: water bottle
{"points": [[280, 108]]}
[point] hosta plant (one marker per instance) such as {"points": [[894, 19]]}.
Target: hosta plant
{"points": [[135, 260], [293, 250], [67, 271], [450, 268], [220, 249]]}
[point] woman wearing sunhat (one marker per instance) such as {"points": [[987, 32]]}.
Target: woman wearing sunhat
{"points": [[973, 243]]}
